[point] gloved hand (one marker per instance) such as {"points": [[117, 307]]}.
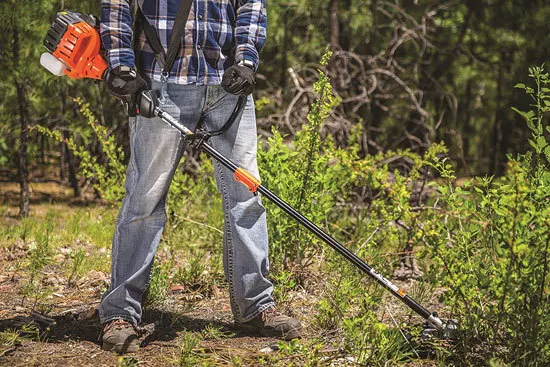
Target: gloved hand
{"points": [[125, 84], [239, 79]]}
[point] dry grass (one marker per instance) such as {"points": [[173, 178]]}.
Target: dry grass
{"points": [[201, 310]]}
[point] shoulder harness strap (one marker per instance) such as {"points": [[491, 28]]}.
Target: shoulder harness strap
{"points": [[166, 59]]}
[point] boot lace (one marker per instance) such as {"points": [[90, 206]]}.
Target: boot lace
{"points": [[269, 314], [120, 324], [117, 324]]}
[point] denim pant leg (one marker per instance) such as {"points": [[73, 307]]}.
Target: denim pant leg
{"points": [[245, 260], [156, 149]]}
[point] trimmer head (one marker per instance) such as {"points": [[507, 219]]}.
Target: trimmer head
{"points": [[449, 331], [427, 341]]}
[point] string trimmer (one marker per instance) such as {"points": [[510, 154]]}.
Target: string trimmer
{"points": [[73, 43]]}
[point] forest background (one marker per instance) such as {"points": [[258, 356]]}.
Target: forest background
{"points": [[408, 73], [413, 110]]}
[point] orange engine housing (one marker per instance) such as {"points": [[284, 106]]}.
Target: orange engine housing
{"points": [[79, 49]]}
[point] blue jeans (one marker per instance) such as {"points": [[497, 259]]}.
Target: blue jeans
{"points": [[156, 149]]}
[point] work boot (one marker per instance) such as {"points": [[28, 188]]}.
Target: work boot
{"points": [[273, 323], [120, 336]]}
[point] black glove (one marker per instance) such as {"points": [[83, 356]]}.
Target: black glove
{"points": [[239, 79], [125, 84]]}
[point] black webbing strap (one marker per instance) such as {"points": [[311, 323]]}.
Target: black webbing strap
{"points": [[166, 60], [203, 135]]}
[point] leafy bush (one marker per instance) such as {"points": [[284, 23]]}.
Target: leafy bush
{"points": [[485, 241], [372, 342], [283, 282], [301, 174], [489, 243], [107, 178]]}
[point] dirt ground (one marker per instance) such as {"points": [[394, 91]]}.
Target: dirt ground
{"points": [[63, 329], [71, 331]]}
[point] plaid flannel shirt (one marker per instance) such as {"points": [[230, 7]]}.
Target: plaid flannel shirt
{"points": [[215, 37]]}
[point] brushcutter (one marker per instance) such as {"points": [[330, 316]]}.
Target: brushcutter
{"points": [[73, 45]]}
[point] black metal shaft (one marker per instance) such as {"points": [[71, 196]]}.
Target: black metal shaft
{"points": [[350, 256]]}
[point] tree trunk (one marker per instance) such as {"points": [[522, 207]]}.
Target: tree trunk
{"points": [[467, 126], [334, 25], [345, 29], [284, 52], [69, 158], [506, 126], [24, 202], [42, 148], [62, 162], [497, 125], [22, 101]]}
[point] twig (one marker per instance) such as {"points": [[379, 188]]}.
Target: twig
{"points": [[9, 350], [369, 238], [199, 223]]}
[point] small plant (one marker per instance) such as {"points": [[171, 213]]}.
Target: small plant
{"points": [[40, 254], [187, 356], [299, 175], [332, 307], [291, 347], [372, 342], [236, 361], [307, 353], [157, 291], [24, 229], [201, 275], [76, 268], [540, 134], [191, 275], [31, 331], [125, 361], [10, 338], [211, 332]]}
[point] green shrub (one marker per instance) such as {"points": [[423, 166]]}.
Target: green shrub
{"points": [[299, 174], [489, 243], [107, 178], [124, 361]]}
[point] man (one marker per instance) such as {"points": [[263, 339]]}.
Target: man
{"points": [[219, 47]]}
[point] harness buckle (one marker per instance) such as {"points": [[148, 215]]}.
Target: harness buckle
{"points": [[163, 82]]}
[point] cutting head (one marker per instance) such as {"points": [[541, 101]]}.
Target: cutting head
{"points": [[449, 331]]}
